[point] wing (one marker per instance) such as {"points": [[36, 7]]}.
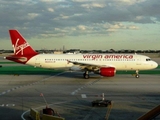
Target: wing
{"points": [[90, 67]]}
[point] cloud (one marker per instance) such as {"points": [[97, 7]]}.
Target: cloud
{"points": [[93, 5], [50, 9], [32, 16], [131, 2], [133, 27], [82, 0], [76, 17], [49, 1], [81, 27], [119, 26]]}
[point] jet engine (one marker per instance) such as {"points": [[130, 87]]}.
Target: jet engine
{"points": [[107, 71]]}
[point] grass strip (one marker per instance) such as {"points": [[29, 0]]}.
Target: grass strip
{"points": [[30, 70]]}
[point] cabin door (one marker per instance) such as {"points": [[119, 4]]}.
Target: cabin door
{"points": [[37, 62]]}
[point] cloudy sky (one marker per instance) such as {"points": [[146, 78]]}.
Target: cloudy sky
{"points": [[82, 24]]}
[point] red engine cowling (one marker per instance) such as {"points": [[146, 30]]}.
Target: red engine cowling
{"points": [[107, 71]]}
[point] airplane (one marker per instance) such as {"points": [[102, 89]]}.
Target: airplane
{"points": [[102, 64]]}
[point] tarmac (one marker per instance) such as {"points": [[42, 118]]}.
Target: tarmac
{"points": [[64, 92], [71, 95]]}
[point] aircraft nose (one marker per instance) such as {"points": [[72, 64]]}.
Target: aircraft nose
{"points": [[155, 65]]}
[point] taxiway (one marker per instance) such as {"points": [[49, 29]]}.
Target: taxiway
{"points": [[71, 95]]}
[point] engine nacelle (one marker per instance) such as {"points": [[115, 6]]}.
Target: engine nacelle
{"points": [[107, 71]]}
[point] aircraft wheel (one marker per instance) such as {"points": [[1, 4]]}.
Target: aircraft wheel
{"points": [[137, 75], [86, 76]]}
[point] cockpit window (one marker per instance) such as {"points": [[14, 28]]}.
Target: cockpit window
{"points": [[148, 59]]}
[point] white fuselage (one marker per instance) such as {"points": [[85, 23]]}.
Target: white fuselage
{"points": [[118, 61]]}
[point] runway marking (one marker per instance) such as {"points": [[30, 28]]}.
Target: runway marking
{"points": [[21, 86], [85, 85], [83, 95], [7, 105]]}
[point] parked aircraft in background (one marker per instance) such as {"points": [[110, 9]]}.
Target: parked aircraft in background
{"points": [[103, 64]]}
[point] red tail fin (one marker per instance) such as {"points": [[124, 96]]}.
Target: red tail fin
{"points": [[20, 45]]}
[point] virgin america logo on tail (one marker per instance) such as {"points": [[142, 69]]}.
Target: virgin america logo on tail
{"points": [[19, 48]]}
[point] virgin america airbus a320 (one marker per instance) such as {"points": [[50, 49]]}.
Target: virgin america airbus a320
{"points": [[103, 64]]}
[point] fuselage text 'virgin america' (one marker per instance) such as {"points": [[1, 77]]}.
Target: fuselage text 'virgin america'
{"points": [[103, 64]]}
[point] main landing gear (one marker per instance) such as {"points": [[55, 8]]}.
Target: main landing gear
{"points": [[86, 75], [137, 74]]}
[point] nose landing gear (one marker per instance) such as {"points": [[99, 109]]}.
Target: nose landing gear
{"points": [[137, 74]]}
